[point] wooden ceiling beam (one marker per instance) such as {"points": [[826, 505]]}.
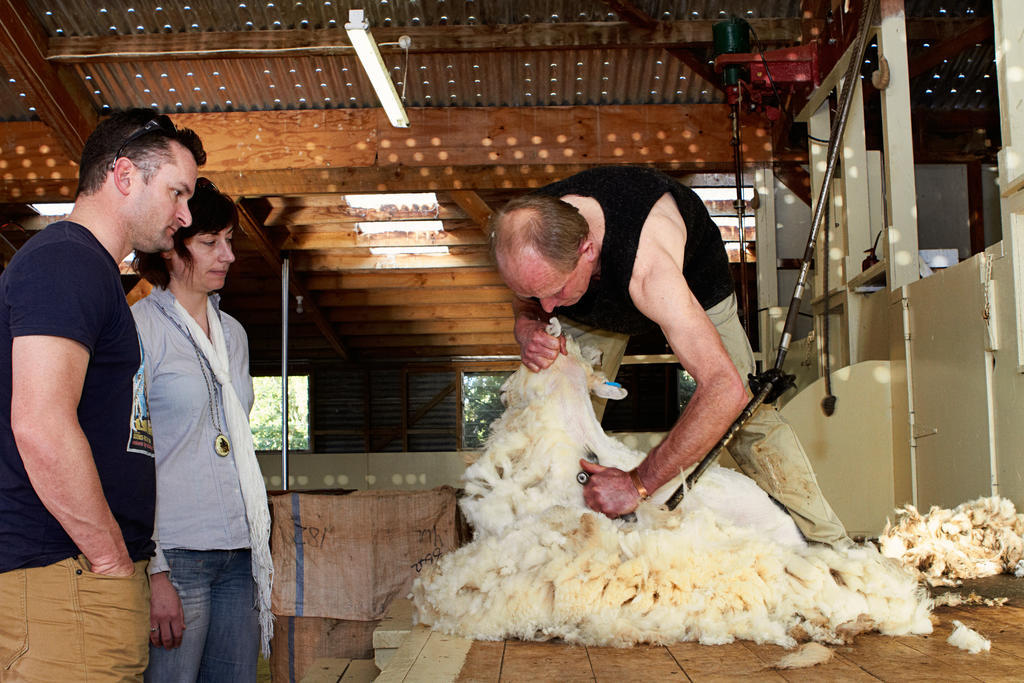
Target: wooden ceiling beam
{"points": [[979, 32], [474, 207], [421, 312], [454, 225], [399, 297], [699, 66], [639, 19], [306, 241], [462, 339], [410, 327], [336, 151], [408, 279], [60, 102], [391, 353], [604, 35], [937, 29], [272, 256], [457, 257], [630, 13], [382, 297], [331, 209], [797, 179]]}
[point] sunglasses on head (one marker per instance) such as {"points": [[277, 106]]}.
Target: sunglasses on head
{"points": [[203, 183], [158, 124]]}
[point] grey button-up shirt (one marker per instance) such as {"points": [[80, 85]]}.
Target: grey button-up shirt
{"points": [[199, 501]]}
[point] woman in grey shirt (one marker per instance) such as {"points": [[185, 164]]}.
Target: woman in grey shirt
{"points": [[210, 579]]}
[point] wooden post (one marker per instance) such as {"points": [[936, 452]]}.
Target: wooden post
{"points": [[898, 146]]}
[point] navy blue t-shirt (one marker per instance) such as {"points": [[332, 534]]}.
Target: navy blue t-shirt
{"points": [[63, 283]]}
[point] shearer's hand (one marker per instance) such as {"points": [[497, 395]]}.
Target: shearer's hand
{"points": [[609, 491], [538, 348]]}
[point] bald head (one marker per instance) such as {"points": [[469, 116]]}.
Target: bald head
{"points": [[538, 227]]}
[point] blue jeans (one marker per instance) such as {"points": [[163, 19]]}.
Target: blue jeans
{"points": [[222, 633]]}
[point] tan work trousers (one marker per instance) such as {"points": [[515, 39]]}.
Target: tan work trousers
{"points": [[64, 623], [766, 449]]}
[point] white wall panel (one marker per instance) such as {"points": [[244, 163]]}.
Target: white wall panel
{"points": [[948, 341]]}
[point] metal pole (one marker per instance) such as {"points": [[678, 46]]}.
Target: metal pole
{"points": [[285, 266], [740, 211], [835, 142]]}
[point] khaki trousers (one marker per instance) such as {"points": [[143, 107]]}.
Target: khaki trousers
{"points": [[766, 449], [64, 623]]}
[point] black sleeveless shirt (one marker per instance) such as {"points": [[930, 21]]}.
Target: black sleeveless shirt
{"points": [[626, 195]]}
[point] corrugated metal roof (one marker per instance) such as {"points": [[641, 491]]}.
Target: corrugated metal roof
{"points": [[967, 81], [14, 105], [947, 8], [128, 17], [575, 77], [533, 78]]}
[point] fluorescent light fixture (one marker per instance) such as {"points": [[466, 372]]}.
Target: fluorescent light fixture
{"points": [[55, 209], [711, 194], [396, 251], [378, 227], [366, 49]]}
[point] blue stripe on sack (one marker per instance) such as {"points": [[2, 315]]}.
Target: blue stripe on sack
{"points": [[299, 569], [291, 649]]}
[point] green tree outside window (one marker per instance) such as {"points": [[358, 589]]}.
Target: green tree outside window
{"points": [[265, 417]]}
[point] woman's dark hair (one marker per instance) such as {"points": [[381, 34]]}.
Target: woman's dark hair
{"points": [[211, 210]]}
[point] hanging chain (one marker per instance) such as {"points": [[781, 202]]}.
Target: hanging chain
{"points": [[212, 387]]}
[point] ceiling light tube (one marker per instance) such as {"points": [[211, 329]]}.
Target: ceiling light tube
{"points": [[373, 65]]}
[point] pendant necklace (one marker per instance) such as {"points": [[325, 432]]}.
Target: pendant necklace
{"points": [[221, 443]]}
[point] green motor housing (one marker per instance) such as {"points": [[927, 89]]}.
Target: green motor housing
{"points": [[731, 37]]}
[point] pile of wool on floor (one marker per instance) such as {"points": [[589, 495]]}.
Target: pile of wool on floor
{"points": [[726, 564], [974, 539]]}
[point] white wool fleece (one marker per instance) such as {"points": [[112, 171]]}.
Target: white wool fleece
{"points": [[726, 564]]}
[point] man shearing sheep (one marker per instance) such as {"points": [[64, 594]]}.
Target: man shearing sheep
{"points": [[619, 251]]}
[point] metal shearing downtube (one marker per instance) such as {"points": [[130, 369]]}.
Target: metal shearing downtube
{"points": [[834, 144]]}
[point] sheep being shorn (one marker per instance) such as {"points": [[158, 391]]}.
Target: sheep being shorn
{"points": [[726, 564]]}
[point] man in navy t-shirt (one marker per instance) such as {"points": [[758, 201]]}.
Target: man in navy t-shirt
{"points": [[77, 477]]}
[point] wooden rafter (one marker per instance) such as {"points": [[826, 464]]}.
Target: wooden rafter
{"points": [[406, 297], [254, 231], [407, 279], [639, 19], [630, 13], [60, 103], [386, 297], [979, 32], [475, 207], [350, 239], [698, 66], [334, 151], [797, 179], [457, 257], [419, 327], [424, 40]]}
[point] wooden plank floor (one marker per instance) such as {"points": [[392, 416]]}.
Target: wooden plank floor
{"points": [[871, 657]]}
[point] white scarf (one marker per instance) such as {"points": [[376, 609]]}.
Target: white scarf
{"points": [[254, 492]]}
